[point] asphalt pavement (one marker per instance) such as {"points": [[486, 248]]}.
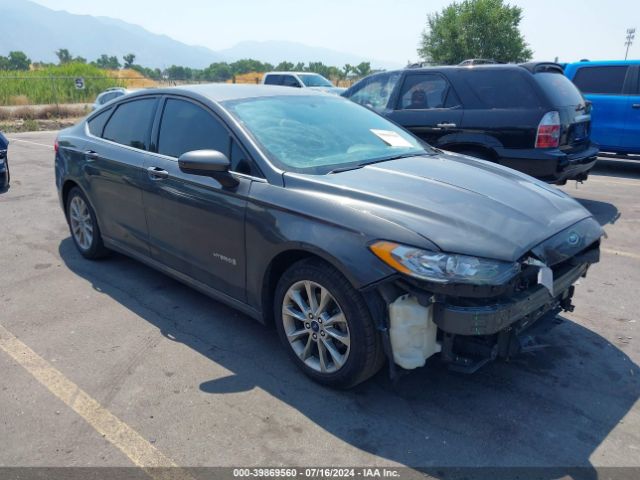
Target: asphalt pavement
{"points": [[111, 363]]}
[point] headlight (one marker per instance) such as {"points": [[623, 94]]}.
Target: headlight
{"points": [[443, 267]]}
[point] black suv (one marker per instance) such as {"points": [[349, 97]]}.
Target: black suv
{"points": [[528, 117]]}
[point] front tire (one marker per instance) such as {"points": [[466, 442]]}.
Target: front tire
{"points": [[326, 326], [83, 226]]}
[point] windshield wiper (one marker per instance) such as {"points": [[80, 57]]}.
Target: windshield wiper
{"points": [[379, 160]]}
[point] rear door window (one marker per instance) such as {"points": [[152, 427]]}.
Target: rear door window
{"points": [[559, 89], [375, 91], [606, 80], [273, 80], [426, 91], [290, 81], [501, 88], [130, 124], [186, 126]]}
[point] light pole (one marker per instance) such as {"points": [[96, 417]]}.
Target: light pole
{"points": [[631, 34]]}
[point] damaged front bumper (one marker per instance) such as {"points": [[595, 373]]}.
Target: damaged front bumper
{"points": [[469, 332], [490, 319]]}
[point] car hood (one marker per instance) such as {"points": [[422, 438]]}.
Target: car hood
{"points": [[334, 90], [460, 204]]}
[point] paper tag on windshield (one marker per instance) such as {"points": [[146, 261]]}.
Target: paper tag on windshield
{"points": [[392, 139], [545, 278]]}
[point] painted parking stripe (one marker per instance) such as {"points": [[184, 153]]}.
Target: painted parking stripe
{"points": [[118, 433], [30, 142], [621, 253]]}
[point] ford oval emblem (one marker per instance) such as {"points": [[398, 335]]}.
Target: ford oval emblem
{"points": [[573, 239]]}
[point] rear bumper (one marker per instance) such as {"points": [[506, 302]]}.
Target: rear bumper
{"points": [[553, 166], [525, 307]]}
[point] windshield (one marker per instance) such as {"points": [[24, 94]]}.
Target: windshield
{"points": [[320, 133], [314, 80]]}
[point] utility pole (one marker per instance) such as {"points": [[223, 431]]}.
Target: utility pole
{"points": [[631, 34]]}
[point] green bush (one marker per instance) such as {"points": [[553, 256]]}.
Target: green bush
{"points": [[54, 84]]}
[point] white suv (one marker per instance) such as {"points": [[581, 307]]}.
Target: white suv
{"points": [[301, 80]]}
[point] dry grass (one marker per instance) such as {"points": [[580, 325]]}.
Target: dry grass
{"points": [[19, 100], [43, 112], [132, 78], [251, 77]]}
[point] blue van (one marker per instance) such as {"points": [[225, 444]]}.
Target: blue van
{"points": [[614, 91]]}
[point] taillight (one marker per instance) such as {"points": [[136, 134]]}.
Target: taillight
{"points": [[549, 131], [55, 146]]}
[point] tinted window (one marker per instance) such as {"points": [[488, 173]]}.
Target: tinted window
{"points": [[427, 91], [374, 92], [601, 79], [106, 97], [131, 122], [96, 124], [186, 127], [559, 89], [290, 81], [273, 80], [501, 88]]}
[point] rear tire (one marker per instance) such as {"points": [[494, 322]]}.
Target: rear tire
{"points": [[83, 226], [326, 326]]}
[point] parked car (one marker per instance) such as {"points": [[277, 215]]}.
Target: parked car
{"points": [[527, 117], [108, 95], [613, 89], [311, 80], [5, 177], [310, 211]]}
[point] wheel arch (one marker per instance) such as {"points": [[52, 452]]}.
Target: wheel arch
{"points": [[283, 261]]}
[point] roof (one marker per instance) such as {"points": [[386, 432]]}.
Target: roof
{"points": [[605, 63], [289, 73], [220, 92]]}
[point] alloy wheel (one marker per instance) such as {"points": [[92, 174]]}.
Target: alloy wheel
{"points": [[316, 326]]}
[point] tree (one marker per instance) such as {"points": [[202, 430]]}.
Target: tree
{"points": [[17, 61], [128, 60], [63, 56], [217, 72], [108, 62], [363, 69], [318, 67], [347, 69], [285, 67], [79, 59], [474, 29]]}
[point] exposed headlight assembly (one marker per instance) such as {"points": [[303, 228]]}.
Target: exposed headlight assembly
{"points": [[442, 267]]}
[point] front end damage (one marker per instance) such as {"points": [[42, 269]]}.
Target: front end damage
{"points": [[471, 325]]}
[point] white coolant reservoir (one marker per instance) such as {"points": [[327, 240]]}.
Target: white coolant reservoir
{"points": [[412, 331]]}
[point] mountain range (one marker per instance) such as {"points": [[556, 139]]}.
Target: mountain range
{"points": [[39, 32]]}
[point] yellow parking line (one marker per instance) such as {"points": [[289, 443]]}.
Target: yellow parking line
{"points": [[121, 435], [621, 253]]}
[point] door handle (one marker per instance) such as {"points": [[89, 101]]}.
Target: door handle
{"points": [[91, 155], [446, 125], [635, 105], [157, 173]]}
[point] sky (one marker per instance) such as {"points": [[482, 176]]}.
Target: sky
{"points": [[381, 29]]}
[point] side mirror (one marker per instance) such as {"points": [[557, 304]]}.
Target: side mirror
{"points": [[208, 163]]}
